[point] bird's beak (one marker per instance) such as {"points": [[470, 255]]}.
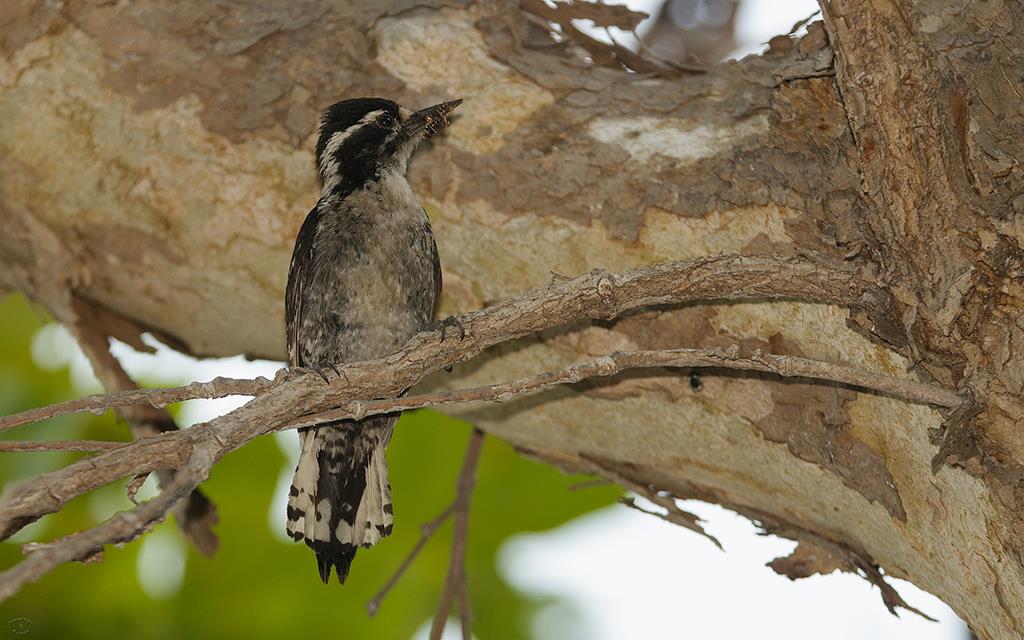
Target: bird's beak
{"points": [[432, 119]]}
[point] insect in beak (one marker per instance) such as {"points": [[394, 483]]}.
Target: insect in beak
{"points": [[433, 118]]}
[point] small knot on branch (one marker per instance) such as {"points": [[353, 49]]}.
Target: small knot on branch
{"points": [[358, 409], [609, 364], [606, 291]]}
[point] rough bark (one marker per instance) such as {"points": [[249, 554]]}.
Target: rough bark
{"points": [[156, 160]]}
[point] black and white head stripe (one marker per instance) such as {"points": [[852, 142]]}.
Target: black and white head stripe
{"points": [[353, 137], [328, 162], [364, 140]]}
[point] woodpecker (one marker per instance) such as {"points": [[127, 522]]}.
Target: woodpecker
{"points": [[364, 278]]}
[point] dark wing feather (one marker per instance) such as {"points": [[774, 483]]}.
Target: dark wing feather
{"points": [[437, 271], [302, 258]]}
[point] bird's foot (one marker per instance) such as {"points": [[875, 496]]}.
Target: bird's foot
{"points": [[451, 322], [443, 326], [319, 369]]}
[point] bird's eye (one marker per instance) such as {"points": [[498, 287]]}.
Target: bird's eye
{"points": [[386, 121]]}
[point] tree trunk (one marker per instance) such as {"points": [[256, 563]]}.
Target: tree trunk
{"points": [[156, 160]]}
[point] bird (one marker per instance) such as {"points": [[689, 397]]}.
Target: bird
{"points": [[364, 277]]}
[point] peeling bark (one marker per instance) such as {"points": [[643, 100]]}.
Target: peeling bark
{"points": [[156, 160]]}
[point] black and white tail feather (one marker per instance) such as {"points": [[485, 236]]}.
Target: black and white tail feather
{"points": [[340, 498]]}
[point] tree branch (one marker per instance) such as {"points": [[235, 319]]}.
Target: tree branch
{"points": [[426, 531], [612, 364], [160, 448], [460, 507], [672, 514], [675, 515], [47, 493], [120, 528], [615, 363], [100, 403], [596, 295], [591, 296], [93, 326], [456, 583], [60, 445]]}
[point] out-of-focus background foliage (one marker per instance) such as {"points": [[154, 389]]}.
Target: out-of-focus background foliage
{"points": [[259, 584]]}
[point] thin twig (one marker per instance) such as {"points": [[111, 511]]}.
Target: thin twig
{"points": [[426, 531], [589, 484], [456, 581], [60, 445], [93, 326], [786, 366], [120, 528], [851, 559], [100, 403], [47, 493], [465, 605], [673, 514], [615, 363], [802, 23], [132, 486]]}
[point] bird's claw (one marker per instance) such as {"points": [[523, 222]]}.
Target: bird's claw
{"points": [[320, 370], [322, 373], [454, 323]]}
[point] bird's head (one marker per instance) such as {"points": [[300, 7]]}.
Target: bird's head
{"points": [[362, 138]]}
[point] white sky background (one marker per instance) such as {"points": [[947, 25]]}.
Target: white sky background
{"points": [[756, 22], [621, 574]]}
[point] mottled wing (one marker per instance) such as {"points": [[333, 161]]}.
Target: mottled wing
{"points": [[302, 259], [302, 497], [437, 267]]}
